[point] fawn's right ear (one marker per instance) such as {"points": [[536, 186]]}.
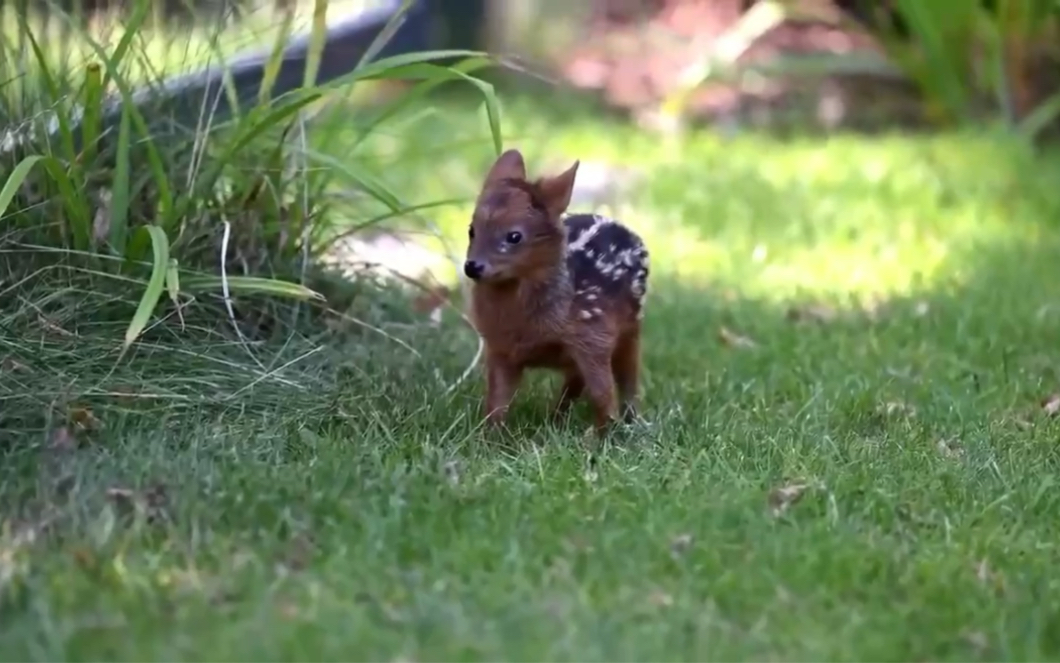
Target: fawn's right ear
{"points": [[508, 166]]}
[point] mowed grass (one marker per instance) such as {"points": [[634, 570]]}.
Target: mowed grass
{"points": [[847, 346]]}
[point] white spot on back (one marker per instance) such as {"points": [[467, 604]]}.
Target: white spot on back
{"points": [[583, 239]]}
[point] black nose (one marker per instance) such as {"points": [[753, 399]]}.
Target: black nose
{"points": [[473, 269]]}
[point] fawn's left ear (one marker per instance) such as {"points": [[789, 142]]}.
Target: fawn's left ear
{"points": [[509, 165], [556, 191]]}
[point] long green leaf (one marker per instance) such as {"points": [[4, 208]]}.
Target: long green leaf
{"points": [[252, 284], [378, 68], [153, 292], [15, 180]]}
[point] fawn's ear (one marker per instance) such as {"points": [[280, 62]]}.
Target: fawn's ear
{"points": [[508, 166], [556, 191]]}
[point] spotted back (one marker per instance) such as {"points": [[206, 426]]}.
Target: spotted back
{"points": [[608, 264]]}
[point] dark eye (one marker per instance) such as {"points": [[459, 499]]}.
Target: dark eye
{"points": [[471, 232], [514, 237]]}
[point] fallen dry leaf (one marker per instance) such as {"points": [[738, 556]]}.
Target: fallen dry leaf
{"points": [[660, 599], [101, 220], [150, 501], [983, 572], [83, 418], [51, 327], [977, 639], [11, 365], [784, 595], [1021, 422], [451, 468], [734, 340], [987, 576], [299, 552], [123, 496], [891, 408], [85, 558], [289, 610], [62, 440], [124, 394], [811, 313], [781, 498], [950, 448], [680, 544], [1051, 404], [873, 308]]}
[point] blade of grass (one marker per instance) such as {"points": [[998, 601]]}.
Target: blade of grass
{"points": [[154, 159], [251, 284], [140, 11], [411, 96], [362, 180], [272, 65], [51, 85], [434, 75], [90, 123], [153, 292], [397, 19], [318, 36], [120, 193], [1043, 115], [79, 216]]}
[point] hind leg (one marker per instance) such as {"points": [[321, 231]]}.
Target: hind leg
{"points": [[625, 365], [573, 386]]}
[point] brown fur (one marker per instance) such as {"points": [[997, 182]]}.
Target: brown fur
{"points": [[524, 303]]}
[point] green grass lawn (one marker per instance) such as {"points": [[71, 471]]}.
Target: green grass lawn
{"points": [[877, 481]]}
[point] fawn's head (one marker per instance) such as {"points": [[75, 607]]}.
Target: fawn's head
{"points": [[516, 231]]}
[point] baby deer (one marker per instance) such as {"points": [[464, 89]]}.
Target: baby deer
{"points": [[557, 291]]}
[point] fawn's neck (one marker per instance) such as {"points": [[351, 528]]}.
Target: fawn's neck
{"points": [[542, 301], [550, 290]]}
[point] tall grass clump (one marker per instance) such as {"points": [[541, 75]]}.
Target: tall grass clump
{"points": [[148, 254], [971, 58]]}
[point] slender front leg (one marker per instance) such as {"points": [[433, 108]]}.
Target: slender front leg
{"points": [[594, 365], [502, 381], [625, 364]]}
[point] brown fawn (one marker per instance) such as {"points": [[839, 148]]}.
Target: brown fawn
{"points": [[556, 291]]}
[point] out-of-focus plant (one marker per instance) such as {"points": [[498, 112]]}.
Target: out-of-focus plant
{"points": [[968, 58]]}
